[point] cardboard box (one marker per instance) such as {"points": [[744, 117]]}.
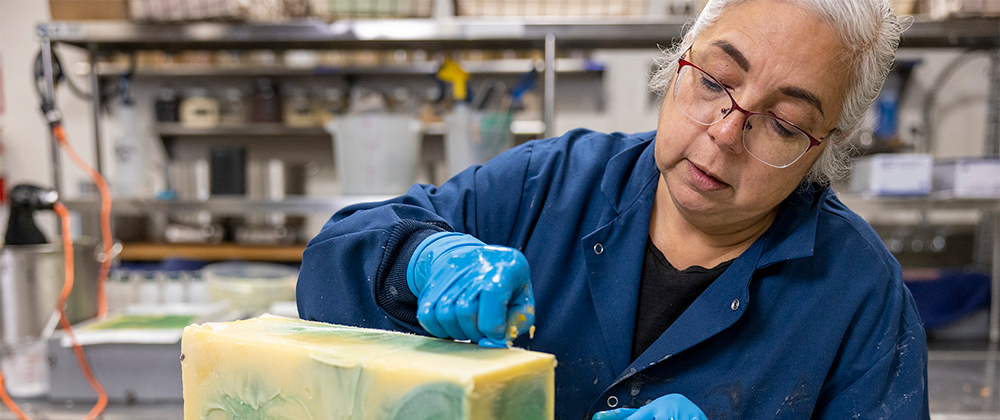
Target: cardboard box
{"points": [[198, 10], [892, 174], [968, 177], [88, 9]]}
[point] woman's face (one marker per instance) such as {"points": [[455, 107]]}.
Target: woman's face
{"points": [[775, 58]]}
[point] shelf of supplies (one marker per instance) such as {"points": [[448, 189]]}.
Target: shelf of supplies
{"points": [[519, 127], [141, 251], [486, 67], [935, 201], [463, 33], [252, 130], [226, 206]]}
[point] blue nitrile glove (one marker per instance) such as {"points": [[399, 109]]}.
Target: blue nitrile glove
{"points": [[468, 290], [667, 407]]}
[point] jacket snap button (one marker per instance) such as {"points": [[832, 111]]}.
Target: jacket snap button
{"points": [[598, 249], [612, 401], [735, 305]]}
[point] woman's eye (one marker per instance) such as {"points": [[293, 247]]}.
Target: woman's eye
{"points": [[782, 129], [711, 85]]}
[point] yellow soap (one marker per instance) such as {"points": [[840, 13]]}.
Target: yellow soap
{"points": [[271, 368]]}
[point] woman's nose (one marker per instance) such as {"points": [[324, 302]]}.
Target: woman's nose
{"points": [[728, 132]]}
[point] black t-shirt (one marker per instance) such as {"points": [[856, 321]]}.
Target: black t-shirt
{"points": [[664, 293]]}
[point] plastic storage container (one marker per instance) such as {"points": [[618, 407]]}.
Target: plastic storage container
{"points": [[250, 287], [375, 153]]}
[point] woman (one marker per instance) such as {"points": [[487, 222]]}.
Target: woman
{"points": [[701, 269]]}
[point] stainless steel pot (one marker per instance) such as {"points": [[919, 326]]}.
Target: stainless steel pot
{"points": [[31, 277]]}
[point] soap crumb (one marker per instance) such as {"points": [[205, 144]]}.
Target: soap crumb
{"points": [[531, 332]]}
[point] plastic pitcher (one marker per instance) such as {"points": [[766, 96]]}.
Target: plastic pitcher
{"points": [[474, 138]]}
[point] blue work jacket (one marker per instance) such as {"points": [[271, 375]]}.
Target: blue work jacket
{"points": [[812, 321]]}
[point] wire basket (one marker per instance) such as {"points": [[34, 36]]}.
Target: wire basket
{"points": [[562, 8], [197, 10], [370, 9]]}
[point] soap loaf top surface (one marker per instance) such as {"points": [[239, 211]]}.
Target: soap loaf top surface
{"points": [[350, 346]]}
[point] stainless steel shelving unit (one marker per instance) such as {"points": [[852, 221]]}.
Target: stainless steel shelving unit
{"points": [[432, 34], [101, 38]]}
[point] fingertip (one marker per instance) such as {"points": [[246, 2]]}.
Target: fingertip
{"points": [[616, 414], [492, 343]]}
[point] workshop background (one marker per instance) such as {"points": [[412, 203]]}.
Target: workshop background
{"points": [[230, 130]]}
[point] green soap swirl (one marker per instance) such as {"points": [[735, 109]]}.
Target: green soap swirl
{"points": [[234, 408], [433, 401], [522, 399]]}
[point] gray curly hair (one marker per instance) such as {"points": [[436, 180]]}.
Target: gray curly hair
{"points": [[868, 28]]}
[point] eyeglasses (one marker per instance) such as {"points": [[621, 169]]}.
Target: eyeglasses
{"points": [[769, 139]]}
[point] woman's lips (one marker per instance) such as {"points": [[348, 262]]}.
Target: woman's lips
{"points": [[702, 180]]}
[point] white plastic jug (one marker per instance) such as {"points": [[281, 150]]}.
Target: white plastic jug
{"points": [[375, 153]]}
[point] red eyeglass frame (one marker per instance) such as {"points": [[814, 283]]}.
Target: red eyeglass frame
{"points": [[813, 142]]}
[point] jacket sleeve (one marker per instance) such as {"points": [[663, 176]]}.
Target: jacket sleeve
{"points": [[894, 387], [353, 271]]}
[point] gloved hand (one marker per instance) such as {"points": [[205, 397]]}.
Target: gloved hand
{"points": [[667, 407], [468, 290]]}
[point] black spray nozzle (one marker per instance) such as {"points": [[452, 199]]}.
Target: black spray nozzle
{"points": [[32, 197], [25, 200]]}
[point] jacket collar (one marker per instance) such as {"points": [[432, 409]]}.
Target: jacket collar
{"points": [[637, 161], [792, 235]]}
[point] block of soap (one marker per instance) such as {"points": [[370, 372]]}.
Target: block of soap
{"points": [[271, 368]]}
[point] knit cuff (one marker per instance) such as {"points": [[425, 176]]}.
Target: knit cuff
{"points": [[391, 291]]}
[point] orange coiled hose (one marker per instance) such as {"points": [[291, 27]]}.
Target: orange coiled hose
{"points": [[102, 397], [106, 240], [102, 304]]}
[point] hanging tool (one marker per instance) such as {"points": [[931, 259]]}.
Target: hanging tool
{"points": [[450, 72]]}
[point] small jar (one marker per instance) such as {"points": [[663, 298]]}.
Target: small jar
{"points": [[298, 110], [198, 110], [166, 106], [233, 111], [265, 103], [329, 106]]}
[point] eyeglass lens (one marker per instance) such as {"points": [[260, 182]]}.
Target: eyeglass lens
{"points": [[770, 140]]}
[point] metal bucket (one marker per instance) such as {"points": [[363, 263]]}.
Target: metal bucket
{"points": [[31, 277]]}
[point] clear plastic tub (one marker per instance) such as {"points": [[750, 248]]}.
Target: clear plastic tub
{"points": [[248, 286], [375, 153]]}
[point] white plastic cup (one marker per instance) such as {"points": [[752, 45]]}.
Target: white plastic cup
{"points": [[26, 369]]}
